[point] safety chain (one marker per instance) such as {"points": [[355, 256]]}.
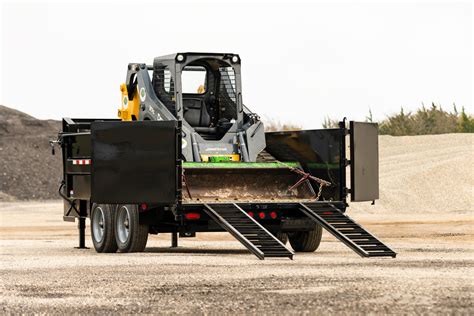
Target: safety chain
{"points": [[306, 176], [319, 191]]}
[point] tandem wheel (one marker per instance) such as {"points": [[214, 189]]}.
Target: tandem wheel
{"points": [[102, 228], [130, 235], [306, 241], [283, 237]]}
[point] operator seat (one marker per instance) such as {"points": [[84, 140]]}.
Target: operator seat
{"points": [[200, 113]]}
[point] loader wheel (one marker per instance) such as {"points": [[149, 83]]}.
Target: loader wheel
{"points": [[307, 241], [283, 237], [103, 228], [131, 236]]}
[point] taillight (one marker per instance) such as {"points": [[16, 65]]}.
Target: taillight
{"points": [[250, 214], [273, 215], [261, 215], [192, 216], [143, 206]]}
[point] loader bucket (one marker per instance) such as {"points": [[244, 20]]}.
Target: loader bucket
{"points": [[244, 182]]}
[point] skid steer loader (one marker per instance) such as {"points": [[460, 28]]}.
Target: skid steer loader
{"points": [[187, 156]]}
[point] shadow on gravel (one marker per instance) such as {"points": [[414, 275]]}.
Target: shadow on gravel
{"points": [[195, 250]]}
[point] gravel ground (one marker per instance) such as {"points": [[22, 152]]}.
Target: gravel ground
{"points": [[41, 272]]}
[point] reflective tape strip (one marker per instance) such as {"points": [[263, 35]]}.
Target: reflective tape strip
{"points": [[81, 161]]}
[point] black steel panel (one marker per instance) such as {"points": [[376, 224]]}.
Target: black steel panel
{"points": [[364, 161], [135, 162], [82, 187], [80, 147], [319, 151]]}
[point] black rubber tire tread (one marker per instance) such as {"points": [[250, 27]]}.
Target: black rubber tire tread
{"points": [[307, 241], [138, 232], [108, 243], [283, 237]]}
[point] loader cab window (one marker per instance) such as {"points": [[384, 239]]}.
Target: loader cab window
{"points": [[193, 80], [209, 97], [199, 108]]}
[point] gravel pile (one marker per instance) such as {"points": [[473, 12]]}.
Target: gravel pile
{"points": [[27, 168], [424, 174]]}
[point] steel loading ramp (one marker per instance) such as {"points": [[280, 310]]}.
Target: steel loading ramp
{"points": [[245, 229], [346, 230]]}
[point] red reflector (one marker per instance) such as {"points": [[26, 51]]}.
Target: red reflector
{"points": [[143, 206], [273, 215], [327, 213], [250, 214], [192, 215], [261, 215]]}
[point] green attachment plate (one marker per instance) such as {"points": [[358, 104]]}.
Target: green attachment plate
{"points": [[243, 165], [220, 159]]}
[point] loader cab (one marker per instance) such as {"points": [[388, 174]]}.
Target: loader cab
{"points": [[201, 89]]}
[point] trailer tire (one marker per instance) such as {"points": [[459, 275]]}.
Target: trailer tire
{"points": [[103, 228], [307, 241], [130, 235], [283, 237]]}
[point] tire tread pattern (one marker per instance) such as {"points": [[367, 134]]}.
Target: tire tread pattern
{"points": [[307, 241]]}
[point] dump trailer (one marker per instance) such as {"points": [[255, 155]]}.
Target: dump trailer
{"points": [[185, 156]]}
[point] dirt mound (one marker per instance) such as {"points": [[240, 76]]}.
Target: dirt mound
{"points": [[27, 168]]}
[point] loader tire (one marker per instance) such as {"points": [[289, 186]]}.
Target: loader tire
{"points": [[283, 237], [307, 241], [130, 235], [103, 228]]}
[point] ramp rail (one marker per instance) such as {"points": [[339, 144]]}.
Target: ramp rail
{"points": [[347, 230], [249, 232]]}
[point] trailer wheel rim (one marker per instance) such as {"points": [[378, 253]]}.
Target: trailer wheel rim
{"points": [[98, 224], [123, 224]]}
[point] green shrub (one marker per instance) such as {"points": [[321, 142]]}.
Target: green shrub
{"points": [[425, 121], [433, 120], [465, 123]]}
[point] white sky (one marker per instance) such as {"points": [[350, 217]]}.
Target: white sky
{"points": [[300, 62]]}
